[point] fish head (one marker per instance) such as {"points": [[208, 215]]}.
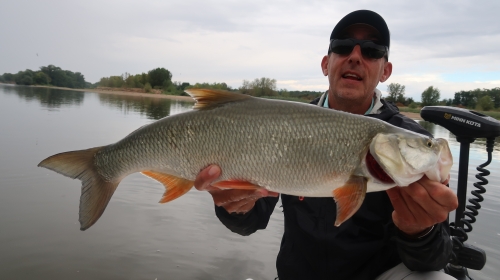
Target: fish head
{"points": [[407, 156]]}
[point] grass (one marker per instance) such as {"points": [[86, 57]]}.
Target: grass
{"points": [[410, 110], [493, 114]]}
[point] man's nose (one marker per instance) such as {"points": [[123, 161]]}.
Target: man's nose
{"points": [[356, 54]]}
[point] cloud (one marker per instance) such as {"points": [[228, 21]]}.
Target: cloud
{"points": [[433, 42]]}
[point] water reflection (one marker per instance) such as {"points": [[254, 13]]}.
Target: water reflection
{"points": [[48, 97], [152, 108], [137, 238]]}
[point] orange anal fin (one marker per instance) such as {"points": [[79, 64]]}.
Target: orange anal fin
{"points": [[236, 184], [175, 186], [349, 198]]}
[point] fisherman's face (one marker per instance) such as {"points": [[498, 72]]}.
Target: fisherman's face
{"points": [[353, 77]]}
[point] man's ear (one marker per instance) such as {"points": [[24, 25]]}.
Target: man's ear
{"points": [[324, 65], [387, 72]]}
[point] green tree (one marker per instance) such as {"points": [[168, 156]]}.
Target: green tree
{"points": [[24, 77], [129, 80], [147, 87], [160, 77], [485, 103], [259, 87], [221, 86], [7, 78], [50, 70], [494, 93], [245, 88], [430, 96], [465, 98], [41, 78], [79, 80], [409, 100], [396, 93], [60, 79]]}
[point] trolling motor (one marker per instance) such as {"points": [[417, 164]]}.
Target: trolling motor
{"points": [[467, 126]]}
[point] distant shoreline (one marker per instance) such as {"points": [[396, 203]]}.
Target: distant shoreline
{"points": [[125, 93], [415, 116]]}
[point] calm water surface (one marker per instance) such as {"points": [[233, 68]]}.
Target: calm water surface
{"points": [[137, 238]]}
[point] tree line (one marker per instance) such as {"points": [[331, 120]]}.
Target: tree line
{"points": [[485, 99], [47, 75], [479, 99], [161, 79]]}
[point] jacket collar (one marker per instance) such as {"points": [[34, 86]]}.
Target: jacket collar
{"points": [[384, 109]]}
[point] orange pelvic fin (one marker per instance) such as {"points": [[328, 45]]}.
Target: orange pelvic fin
{"points": [[175, 186], [236, 184], [209, 98], [349, 198]]}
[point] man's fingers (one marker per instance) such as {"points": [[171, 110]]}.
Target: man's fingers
{"points": [[247, 206], [233, 200], [225, 197], [424, 216], [242, 206], [401, 210], [421, 205], [206, 177], [437, 192], [240, 201]]}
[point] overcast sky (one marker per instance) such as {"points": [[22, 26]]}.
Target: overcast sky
{"points": [[452, 45]]}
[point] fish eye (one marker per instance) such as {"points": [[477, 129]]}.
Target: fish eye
{"points": [[429, 143]]}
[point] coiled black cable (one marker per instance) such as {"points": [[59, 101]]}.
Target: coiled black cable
{"points": [[460, 233]]}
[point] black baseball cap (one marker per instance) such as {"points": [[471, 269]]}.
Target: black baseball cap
{"points": [[365, 17]]}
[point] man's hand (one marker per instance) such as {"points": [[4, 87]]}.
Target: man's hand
{"points": [[421, 205], [234, 201]]}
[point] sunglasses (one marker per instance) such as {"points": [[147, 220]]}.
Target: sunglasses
{"points": [[368, 48]]}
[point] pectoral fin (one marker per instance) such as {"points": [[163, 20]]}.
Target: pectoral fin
{"points": [[175, 186], [349, 198]]}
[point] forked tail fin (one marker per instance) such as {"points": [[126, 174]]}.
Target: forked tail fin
{"points": [[96, 191]]}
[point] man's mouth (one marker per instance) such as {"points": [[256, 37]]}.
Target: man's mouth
{"points": [[352, 77]]}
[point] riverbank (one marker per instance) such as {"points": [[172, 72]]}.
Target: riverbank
{"points": [[124, 93], [414, 116]]}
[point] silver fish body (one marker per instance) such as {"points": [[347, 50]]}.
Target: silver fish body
{"points": [[286, 147]]}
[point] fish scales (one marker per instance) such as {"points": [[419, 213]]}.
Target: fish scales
{"points": [[279, 146]]}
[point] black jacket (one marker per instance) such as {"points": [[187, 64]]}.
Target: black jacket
{"points": [[364, 246]]}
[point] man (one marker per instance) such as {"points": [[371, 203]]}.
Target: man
{"points": [[395, 233]]}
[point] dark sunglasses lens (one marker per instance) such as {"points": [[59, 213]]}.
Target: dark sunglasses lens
{"points": [[342, 47], [368, 49], [372, 52], [342, 50]]}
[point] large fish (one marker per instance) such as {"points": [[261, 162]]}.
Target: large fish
{"points": [[282, 146]]}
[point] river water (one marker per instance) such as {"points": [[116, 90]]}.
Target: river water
{"points": [[137, 238]]}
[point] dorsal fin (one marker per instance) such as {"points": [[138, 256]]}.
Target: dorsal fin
{"points": [[209, 98]]}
